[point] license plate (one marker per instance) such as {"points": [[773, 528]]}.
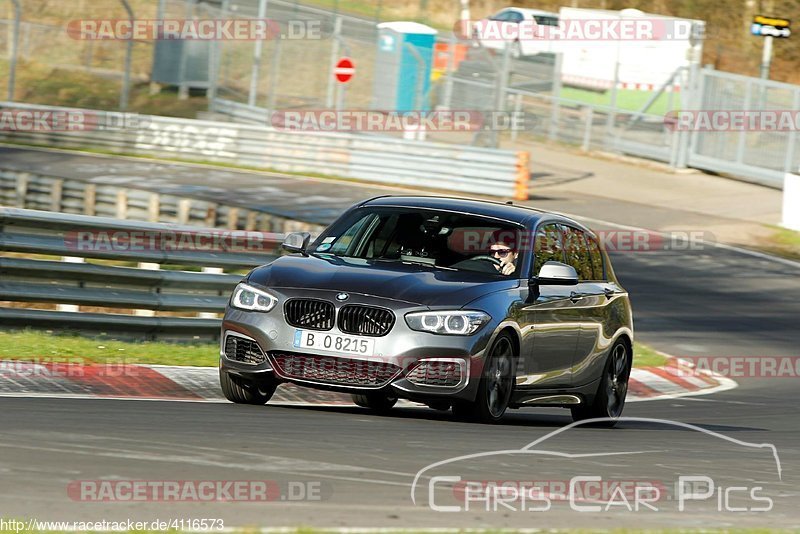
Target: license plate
{"points": [[305, 339]]}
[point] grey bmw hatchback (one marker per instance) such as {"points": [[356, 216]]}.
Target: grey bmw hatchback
{"points": [[453, 303]]}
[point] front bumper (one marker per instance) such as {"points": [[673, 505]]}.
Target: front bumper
{"points": [[398, 357]]}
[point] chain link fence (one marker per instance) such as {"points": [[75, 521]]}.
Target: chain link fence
{"points": [[295, 72], [761, 154]]}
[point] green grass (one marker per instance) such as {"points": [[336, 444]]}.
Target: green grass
{"points": [[646, 356], [50, 347], [783, 242], [52, 86], [627, 99]]}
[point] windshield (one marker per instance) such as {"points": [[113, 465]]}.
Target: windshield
{"points": [[438, 239]]}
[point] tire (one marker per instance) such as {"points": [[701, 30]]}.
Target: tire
{"points": [[377, 402], [241, 391], [495, 387], [609, 401]]}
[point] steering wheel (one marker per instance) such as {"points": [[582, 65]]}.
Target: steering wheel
{"points": [[490, 259]]}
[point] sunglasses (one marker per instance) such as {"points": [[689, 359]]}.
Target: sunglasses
{"points": [[502, 252]]}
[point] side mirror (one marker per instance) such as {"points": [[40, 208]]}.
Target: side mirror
{"points": [[297, 242], [555, 273]]}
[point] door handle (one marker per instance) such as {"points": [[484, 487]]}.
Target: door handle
{"points": [[575, 297]]}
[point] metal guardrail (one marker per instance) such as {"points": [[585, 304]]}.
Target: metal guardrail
{"points": [[51, 193], [397, 161], [121, 287]]}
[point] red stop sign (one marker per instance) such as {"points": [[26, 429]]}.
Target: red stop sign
{"points": [[345, 69]]}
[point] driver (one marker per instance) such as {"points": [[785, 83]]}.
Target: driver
{"points": [[504, 250]]}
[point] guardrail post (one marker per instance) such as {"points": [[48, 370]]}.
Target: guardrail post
{"points": [[184, 210], [150, 267], [122, 204], [154, 207], [252, 221], [211, 216], [90, 199], [73, 308], [22, 189], [587, 129], [210, 315], [56, 192], [233, 218]]}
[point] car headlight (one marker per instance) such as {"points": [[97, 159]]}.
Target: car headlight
{"points": [[246, 297], [454, 323]]}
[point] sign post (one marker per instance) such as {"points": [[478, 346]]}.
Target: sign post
{"points": [[343, 72], [769, 28]]}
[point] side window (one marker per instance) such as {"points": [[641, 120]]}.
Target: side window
{"points": [[548, 246], [546, 21], [341, 245], [578, 253], [597, 258], [515, 17], [501, 16]]}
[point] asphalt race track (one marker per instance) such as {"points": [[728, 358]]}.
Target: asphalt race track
{"points": [[360, 468]]}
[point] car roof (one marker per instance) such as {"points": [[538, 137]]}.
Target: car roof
{"points": [[515, 213]]}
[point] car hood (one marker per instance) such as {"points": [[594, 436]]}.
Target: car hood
{"points": [[409, 282]]}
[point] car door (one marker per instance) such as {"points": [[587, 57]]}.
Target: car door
{"points": [[551, 320], [595, 294]]}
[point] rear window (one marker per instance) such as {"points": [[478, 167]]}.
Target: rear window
{"points": [[577, 252], [597, 258], [548, 246]]}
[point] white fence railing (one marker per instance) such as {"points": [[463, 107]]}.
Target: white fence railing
{"points": [[447, 167]]}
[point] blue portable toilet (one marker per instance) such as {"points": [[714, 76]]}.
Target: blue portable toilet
{"points": [[405, 53]]}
